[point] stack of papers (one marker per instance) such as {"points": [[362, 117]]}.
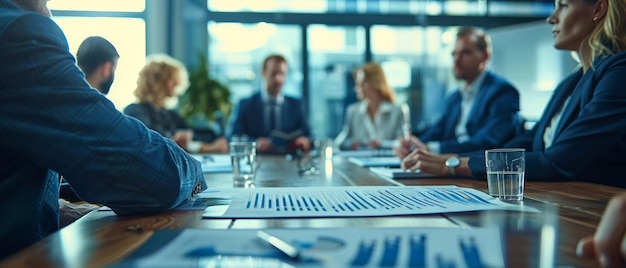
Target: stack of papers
{"points": [[215, 163], [381, 161], [336, 247], [398, 173]]}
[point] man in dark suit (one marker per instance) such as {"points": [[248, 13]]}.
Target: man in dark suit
{"points": [[275, 121], [482, 113]]}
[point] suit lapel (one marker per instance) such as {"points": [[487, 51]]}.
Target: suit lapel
{"points": [[571, 111], [260, 118], [562, 92]]}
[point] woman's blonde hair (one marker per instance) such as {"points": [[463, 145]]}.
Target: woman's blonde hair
{"points": [[154, 77], [374, 74], [610, 36]]}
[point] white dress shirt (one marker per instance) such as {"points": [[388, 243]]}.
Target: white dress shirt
{"points": [[548, 134], [386, 125], [468, 95]]}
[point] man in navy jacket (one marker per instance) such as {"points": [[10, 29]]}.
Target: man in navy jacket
{"points": [[275, 121], [54, 124], [482, 113]]}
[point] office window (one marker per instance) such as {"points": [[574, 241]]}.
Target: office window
{"points": [[98, 5], [129, 42], [334, 51], [309, 6], [433, 8], [418, 66]]}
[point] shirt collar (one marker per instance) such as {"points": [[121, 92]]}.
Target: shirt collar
{"points": [[474, 87], [383, 106], [266, 98]]}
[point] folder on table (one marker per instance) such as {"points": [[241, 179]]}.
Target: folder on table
{"points": [[382, 161]]}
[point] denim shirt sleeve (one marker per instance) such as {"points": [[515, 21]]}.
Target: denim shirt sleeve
{"points": [[51, 117]]}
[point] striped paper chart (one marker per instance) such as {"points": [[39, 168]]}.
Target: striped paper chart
{"points": [[349, 201]]}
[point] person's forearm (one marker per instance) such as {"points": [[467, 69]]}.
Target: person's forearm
{"points": [[463, 169]]}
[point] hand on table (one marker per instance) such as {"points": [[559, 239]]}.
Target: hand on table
{"points": [[302, 143], [374, 144], [426, 162], [182, 138], [220, 145], [404, 146], [608, 244], [263, 144]]}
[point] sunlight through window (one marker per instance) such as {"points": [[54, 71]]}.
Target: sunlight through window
{"points": [[98, 5], [130, 44]]}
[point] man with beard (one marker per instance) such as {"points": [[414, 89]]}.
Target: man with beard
{"points": [[97, 58]]}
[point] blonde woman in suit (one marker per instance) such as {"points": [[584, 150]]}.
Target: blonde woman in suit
{"points": [[375, 121]]}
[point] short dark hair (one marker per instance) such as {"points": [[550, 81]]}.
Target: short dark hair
{"points": [[483, 42], [93, 52], [277, 57]]}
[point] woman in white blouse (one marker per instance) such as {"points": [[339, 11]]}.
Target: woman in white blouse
{"points": [[375, 121]]}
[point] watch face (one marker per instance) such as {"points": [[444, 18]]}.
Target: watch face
{"points": [[453, 162]]}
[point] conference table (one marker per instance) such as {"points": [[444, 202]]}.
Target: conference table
{"points": [[102, 238]]}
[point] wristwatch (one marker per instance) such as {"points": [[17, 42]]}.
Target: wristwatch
{"points": [[452, 163]]}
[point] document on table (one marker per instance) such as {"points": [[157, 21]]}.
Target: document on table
{"points": [[365, 153], [398, 173], [214, 163], [348, 201], [334, 247], [377, 161]]}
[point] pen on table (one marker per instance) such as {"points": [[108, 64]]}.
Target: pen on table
{"points": [[284, 247], [406, 131]]}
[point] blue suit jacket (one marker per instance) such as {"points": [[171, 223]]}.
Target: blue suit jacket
{"points": [[590, 140], [249, 118], [492, 121], [53, 123]]}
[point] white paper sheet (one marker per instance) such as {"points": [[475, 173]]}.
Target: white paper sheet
{"points": [[399, 173], [354, 247], [214, 163], [377, 161], [364, 153], [348, 201]]}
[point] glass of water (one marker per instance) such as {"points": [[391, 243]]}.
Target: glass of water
{"points": [[243, 158], [505, 173]]}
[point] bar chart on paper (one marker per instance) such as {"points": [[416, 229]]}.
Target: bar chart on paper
{"points": [[354, 247], [349, 201]]}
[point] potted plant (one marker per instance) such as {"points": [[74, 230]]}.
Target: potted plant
{"points": [[206, 100]]}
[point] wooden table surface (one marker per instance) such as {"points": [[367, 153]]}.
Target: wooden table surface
{"points": [[101, 238]]}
